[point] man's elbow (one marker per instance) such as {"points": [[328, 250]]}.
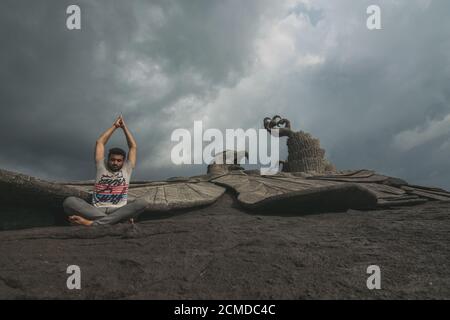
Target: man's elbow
{"points": [[99, 141]]}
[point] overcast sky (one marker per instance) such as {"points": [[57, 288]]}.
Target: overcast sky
{"points": [[376, 99]]}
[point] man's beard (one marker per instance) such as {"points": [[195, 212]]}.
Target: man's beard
{"points": [[114, 168]]}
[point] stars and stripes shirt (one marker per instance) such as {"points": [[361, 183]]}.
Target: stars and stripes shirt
{"points": [[111, 188]]}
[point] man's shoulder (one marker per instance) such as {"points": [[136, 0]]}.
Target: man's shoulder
{"points": [[100, 164], [128, 165]]}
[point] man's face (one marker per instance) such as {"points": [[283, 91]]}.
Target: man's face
{"points": [[115, 162]]}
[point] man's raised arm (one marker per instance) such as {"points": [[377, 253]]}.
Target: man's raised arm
{"points": [[100, 144], [132, 145]]}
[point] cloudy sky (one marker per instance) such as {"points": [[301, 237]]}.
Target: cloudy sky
{"points": [[376, 99]]}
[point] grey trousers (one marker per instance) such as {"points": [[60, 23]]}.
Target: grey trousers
{"points": [[102, 216]]}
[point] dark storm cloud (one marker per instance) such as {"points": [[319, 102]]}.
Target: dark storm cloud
{"points": [[52, 104], [376, 99], [60, 89], [374, 86]]}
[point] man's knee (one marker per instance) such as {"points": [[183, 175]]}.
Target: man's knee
{"points": [[70, 202], [140, 203]]}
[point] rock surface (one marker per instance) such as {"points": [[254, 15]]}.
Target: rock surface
{"points": [[257, 240], [31, 202], [222, 252]]}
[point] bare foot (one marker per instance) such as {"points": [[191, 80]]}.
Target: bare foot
{"points": [[80, 221]]}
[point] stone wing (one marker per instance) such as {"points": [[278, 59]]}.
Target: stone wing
{"points": [[302, 193]]}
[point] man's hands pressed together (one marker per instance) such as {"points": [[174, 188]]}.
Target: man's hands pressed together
{"points": [[119, 122]]}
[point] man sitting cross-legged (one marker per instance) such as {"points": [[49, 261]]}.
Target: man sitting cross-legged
{"points": [[109, 200]]}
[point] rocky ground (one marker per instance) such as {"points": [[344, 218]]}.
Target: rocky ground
{"points": [[222, 252]]}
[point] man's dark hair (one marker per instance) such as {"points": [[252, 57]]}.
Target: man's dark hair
{"points": [[117, 151]]}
